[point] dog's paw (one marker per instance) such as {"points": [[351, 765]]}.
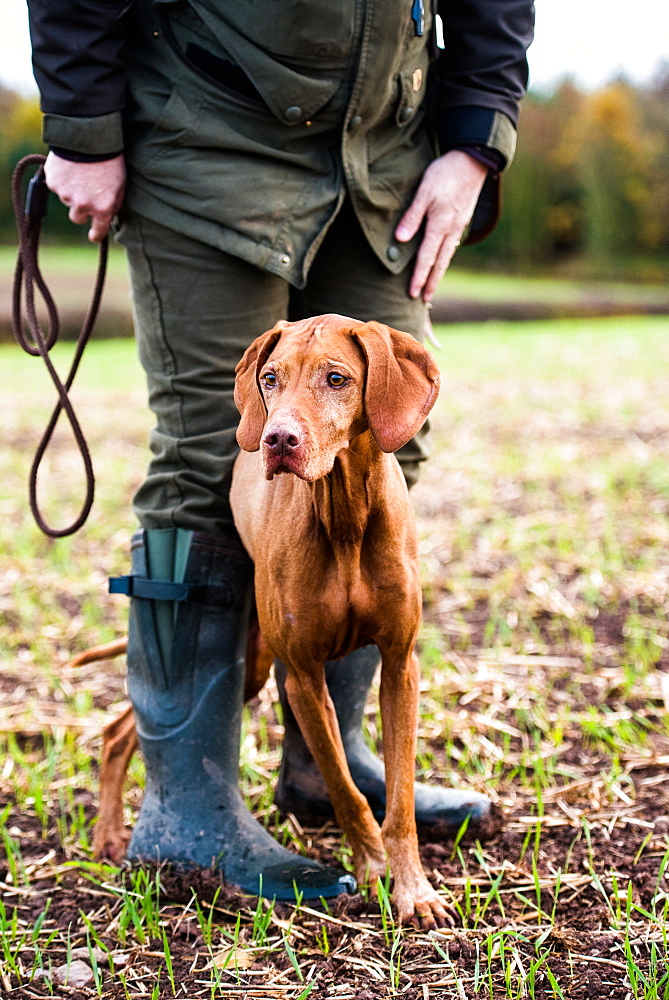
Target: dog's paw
{"points": [[110, 844], [422, 907]]}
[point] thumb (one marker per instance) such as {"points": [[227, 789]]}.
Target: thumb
{"points": [[411, 221]]}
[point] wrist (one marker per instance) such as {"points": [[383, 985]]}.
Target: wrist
{"points": [[488, 158], [464, 167]]}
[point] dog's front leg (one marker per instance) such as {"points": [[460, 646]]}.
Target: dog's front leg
{"points": [[310, 701], [417, 902]]}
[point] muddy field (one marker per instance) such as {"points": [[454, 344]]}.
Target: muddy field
{"points": [[545, 658]]}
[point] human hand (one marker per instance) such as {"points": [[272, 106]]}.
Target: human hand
{"points": [[446, 198], [90, 190]]}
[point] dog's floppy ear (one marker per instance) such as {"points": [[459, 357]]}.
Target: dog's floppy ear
{"points": [[248, 397], [402, 384]]}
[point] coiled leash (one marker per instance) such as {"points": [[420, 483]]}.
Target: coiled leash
{"points": [[37, 342]]}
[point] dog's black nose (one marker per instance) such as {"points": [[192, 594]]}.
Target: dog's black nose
{"points": [[281, 442]]}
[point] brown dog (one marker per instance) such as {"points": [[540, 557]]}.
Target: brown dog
{"points": [[322, 508]]}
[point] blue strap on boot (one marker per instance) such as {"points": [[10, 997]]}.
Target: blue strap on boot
{"points": [[153, 590]]}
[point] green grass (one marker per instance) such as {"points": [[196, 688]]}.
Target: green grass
{"points": [[462, 284], [544, 529], [66, 260]]}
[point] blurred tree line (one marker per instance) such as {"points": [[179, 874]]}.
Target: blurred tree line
{"points": [[588, 192]]}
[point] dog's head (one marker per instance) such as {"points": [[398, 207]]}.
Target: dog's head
{"points": [[305, 389]]}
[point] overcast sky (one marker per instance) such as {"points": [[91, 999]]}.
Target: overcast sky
{"points": [[589, 39]]}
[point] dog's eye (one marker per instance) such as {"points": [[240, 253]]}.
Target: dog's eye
{"points": [[336, 380], [269, 380]]}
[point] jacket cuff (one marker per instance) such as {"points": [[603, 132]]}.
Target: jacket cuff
{"points": [[469, 126], [99, 136], [74, 157]]}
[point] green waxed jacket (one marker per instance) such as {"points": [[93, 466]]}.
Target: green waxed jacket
{"points": [[246, 121]]}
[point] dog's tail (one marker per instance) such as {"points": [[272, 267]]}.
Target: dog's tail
{"points": [[105, 652]]}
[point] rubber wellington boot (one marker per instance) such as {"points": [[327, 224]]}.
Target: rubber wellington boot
{"points": [[302, 791], [186, 649]]}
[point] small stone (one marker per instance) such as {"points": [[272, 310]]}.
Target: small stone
{"points": [[77, 974]]}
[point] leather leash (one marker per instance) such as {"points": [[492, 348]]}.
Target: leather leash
{"points": [[37, 342]]}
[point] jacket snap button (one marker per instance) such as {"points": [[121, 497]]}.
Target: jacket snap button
{"points": [[406, 114], [285, 259], [293, 114], [392, 252], [355, 122]]}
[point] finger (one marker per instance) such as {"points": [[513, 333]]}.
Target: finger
{"points": [[412, 219], [78, 215], [427, 255], [439, 245], [100, 226], [440, 266]]}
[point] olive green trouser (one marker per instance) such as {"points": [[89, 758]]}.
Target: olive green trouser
{"points": [[196, 310]]}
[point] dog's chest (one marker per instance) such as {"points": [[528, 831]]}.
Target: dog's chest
{"points": [[328, 608]]}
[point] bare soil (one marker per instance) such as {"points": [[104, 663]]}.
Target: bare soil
{"points": [[628, 840]]}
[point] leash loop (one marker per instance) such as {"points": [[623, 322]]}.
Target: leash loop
{"points": [[38, 342]]}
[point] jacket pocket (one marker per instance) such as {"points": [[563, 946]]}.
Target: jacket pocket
{"points": [[293, 95], [222, 73], [292, 30], [216, 68]]}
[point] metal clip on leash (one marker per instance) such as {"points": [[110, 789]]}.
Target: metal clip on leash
{"points": [[38, 343]]}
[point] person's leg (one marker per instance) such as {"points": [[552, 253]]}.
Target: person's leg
{"points": [[347, 278], [196, 311]]}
